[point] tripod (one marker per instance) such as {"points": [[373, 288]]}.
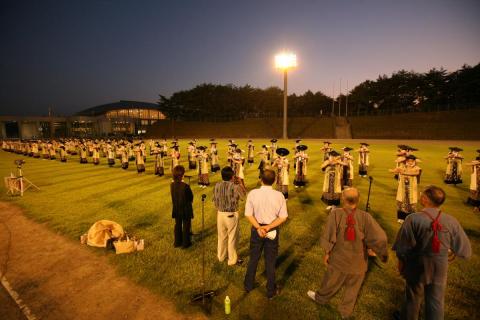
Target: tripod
{"points": [[204, 295], [18, 184]]}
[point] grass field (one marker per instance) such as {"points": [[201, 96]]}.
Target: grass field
{"points": [[74, 196]]}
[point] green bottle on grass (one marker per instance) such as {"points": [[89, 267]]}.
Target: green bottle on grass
{"points": [[228, 308]]}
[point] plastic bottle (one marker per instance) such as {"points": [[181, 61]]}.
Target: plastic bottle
{"points": [[228, 308]]}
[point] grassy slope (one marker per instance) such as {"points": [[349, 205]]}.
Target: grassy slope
{"points": [[74, 196]]}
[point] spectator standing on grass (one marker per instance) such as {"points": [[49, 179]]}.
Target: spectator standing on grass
{"points": [[423, 245], [474, 198], [182, 210], [226, 196], [266, 210], [347, 237]]}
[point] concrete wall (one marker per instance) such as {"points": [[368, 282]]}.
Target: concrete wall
{"points": [[447, 125], [249, 128]]}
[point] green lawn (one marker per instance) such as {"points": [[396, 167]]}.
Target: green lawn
{"points": [[74, 196]]}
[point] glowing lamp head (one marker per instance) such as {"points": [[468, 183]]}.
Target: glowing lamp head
{"points": [[285, 60]]}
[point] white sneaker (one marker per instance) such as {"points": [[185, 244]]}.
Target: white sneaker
{"points": [[400, 221], [311, 294], [328, 208]]}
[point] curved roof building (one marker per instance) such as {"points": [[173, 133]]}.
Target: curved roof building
{"points": [[125, 109], [117, 118]]}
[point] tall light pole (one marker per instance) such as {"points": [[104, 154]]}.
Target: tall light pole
{"points": [[285, 61]]}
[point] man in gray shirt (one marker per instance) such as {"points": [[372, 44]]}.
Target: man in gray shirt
{"points": [[423, 244], [347, 237]]}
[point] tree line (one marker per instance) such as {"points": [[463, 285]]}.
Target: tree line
{"points": [[403, 91]]}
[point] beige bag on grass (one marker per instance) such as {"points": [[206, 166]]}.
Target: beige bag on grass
{"points": [[124, 246]]}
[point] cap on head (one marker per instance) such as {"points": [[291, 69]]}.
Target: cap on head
{"points": [[282, 152]]}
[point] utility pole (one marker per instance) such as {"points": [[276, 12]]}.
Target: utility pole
{"points": [[346, 102], [340, 100], [333, 99]]}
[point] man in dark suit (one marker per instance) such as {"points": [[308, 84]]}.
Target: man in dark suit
{"points": [[182, 211]]}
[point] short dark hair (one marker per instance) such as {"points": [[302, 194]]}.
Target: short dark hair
{"points": [[227, 173], [268, 177], [178, 172], [435, 194]]}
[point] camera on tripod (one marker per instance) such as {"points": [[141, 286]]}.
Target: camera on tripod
{"points": [[18, 184], [19, 163]]}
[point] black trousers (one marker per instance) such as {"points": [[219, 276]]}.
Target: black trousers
{"points": [[182, 232], [270, 249]]}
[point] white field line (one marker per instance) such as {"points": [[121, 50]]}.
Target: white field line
{"points": [[26, 311]]}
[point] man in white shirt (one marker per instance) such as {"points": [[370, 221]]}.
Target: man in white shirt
{"points": [[266, 209]]}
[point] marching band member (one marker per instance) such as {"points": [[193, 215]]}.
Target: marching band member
{"points": [[301, 160], [326, 150], [474, 198], [95, 155], [453, 174], [238, 160], [164, 147], [231, 151], [143, 153], [202, 158], [296, 151], [90, 149], [139, 159], [151, 146], [407, 192], [51, 151], [282, 166], [124, 159], [250, 152], [273, 150], [175, 155], [191, 150], [110, 155], [363, 159], [45, 154], [83, 153], [35, 151], [118, 150], [332, 182], [63, 153], [215, 166], [264, 160], [347, 176], [130, 153], [159, 160]]}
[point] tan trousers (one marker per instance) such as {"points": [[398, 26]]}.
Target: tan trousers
{"points": [[227, 226]]}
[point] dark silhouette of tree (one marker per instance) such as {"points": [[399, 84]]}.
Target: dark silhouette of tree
{"points": [[403, 91]]}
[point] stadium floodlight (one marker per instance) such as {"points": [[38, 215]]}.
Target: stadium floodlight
{"points": [[285, 61]]}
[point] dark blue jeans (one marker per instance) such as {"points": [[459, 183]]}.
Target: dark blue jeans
{"points": [[270, 249]]}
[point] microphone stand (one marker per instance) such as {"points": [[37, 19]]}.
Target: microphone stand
{"points": [[367, 207], [204, 296]]}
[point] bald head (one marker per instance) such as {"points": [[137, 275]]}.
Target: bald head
{"points": [[350, 196]]}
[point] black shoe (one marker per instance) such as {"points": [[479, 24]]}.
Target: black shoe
{"points": [[239, 262], [396, 315]]}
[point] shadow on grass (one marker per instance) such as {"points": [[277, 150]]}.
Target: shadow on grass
{"points": [[472, 233]]}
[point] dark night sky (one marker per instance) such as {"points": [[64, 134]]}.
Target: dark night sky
{"points": [[71, 55]]}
